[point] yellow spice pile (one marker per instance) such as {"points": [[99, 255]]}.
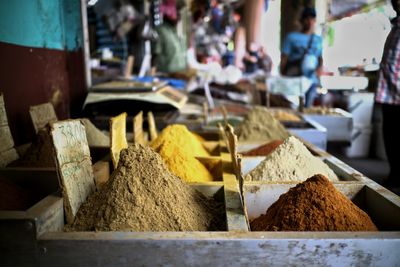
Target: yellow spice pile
{"points": [[179, 147]]}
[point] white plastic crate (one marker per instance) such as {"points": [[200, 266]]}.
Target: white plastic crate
{"points": [[361, 138], [360, 105]]}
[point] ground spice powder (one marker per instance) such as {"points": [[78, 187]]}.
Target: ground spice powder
{"points": [[263, 150], [179, 147], [290, 161], [314, 205], [39, 154], [260, 125], [143, 195], [285, 116]]}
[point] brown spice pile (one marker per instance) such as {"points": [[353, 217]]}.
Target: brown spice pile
{"points": [[40, 153], [314, 205], [263, 150], [143, 195]]}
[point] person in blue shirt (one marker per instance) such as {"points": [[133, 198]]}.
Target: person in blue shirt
{"points": [[304, 48]]}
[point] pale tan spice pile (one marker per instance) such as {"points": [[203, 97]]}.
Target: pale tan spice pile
{"points": [[260, 125], [314, 205], [290, 161], [143, 195]]}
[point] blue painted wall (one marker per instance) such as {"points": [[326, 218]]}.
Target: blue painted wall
{"points": [[54, 24]]}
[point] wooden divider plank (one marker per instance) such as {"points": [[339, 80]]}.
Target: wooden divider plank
{"points": [[6, 139], [237, 164], [101, 172], [224, 114], [205, 111], [129, 67], [223, 134], [8, 156], [41, 115], [232, 141], [3, 113], [74, 165], [152, 126], [117, 136], [138, 135], [241, 187], [8, 153]]}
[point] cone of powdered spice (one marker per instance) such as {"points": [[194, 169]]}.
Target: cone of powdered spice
{"points": [[290, 161], [313, 205], [263, 150], [143, 195], [260, 125], [179, 148]]}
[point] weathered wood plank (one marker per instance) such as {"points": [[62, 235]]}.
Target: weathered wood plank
{"points": [[6, 139], [74, 164], [8, 156], [152, 126], [118, 136], [41, 115], [138, 135], [3, 113], [218, 249]]}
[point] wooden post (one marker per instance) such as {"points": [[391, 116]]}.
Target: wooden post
{"points": [[232, 141], [205, 111], [152, 126], [41, 115], [301, 104], [224, 114], [74, 165], [223, 134], [128, 67], [241, 188], [117, 137], [268, 98], [237, 168]]}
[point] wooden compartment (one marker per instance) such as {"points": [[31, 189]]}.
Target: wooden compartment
{"points": [[381, 205], [344, 172], [19, 228]]}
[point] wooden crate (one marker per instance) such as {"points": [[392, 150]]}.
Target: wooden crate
{"points": [[235, 246]]}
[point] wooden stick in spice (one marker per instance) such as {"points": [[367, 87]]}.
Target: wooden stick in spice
{"points": [[117, 137], [205, 111], [152, 126], [224, 114], [138, 135]]}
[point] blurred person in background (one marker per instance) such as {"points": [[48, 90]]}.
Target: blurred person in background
{"points": [[264, 61], [388, 95], [302, 53], [169, 51]]}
